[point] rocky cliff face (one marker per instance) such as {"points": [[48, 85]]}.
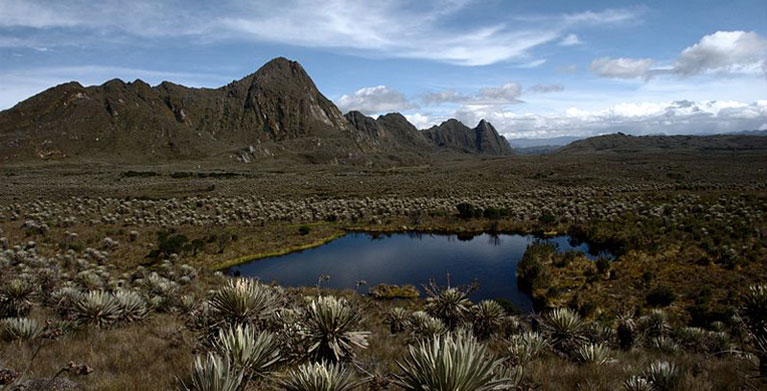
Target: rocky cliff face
{"points": [[482, 139]]}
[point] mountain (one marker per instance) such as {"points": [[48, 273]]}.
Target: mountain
{"points": [[390, 132], [455, 135], [277, 109], [542, 142], [622, 143]]}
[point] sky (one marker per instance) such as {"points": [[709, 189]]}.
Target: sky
{"points": [[534, 69]]}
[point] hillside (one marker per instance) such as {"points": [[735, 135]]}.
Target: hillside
{"points": [[622, 143], [276, 110]]}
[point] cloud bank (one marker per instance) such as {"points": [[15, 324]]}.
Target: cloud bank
{"points": [[721, 52]]}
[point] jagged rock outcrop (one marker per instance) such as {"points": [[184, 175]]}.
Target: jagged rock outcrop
{"points": [[482, 139], [390, 132]]}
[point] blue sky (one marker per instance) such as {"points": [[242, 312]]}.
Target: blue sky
{"points": [[533, 69]]}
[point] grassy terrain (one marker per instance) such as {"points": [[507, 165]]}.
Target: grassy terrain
{"points": [[690, 225]]}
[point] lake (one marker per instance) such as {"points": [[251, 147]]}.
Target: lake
{"points": [[409, 258]]}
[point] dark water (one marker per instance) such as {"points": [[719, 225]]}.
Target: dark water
{"points": [[409, 258]]}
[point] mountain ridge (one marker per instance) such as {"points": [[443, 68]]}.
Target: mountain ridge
{"points": [[276, 110], [624, 143]]}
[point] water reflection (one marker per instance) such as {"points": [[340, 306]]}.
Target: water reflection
{"points": [[410, 258]]}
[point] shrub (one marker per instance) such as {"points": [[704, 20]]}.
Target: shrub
{"points": [[304, 229], [565, 328], [320, 376], [547, 218], [212, 373], [626, 332], [525, 347], [595, 354], [396, 319], [252, 353], [132, 306], [665, 344], [660, 296], [169, 243], [241, 301], [467, 211], [637, 383], [16, 298], [531, 272], [423, 325], [329, 329], [97, 308], [451, 305], [453, 362], [495, 213], [663, 376], [22, 329], [488, 316]]}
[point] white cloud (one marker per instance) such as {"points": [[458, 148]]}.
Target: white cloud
{"points": [[675, 117], [421, 121], [608, 16], [546, 88], [723, 51], [531, 64], [567, 69], [621, 68], [507, 93], [570, 40], [444, 96], [387, 28], [373, 100]]}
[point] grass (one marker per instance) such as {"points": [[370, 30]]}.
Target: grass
{"points": [[151, 353], [284, 251]]}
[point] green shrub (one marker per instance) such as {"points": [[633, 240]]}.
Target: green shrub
{"points": [[168, 243], [495, 213], [321, 376], [468, 211], [531, 272], [454, 362], [304, 229], [547, 218], [660, 296], [603, 265], [329, 329]]}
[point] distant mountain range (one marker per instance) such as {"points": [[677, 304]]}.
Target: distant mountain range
{"points": [[275, 113], [623, 143], [542, 142]]}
